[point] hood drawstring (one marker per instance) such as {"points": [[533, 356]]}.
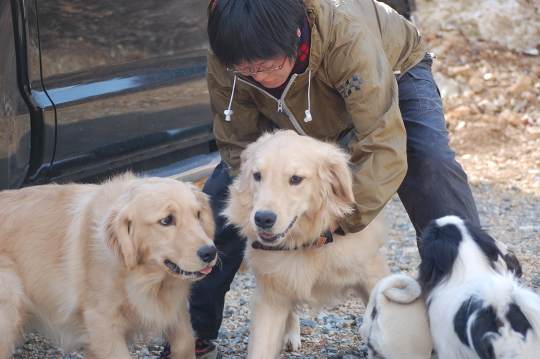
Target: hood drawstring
{"points": [[228, 112], [308, 113]]}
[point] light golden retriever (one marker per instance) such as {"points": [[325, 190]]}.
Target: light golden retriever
{"points": [[93, 265], [290, 190], [396, 324]]}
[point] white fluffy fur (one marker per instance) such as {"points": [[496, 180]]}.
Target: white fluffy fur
{"points": [[316, 275], [85, 264], [472, 275], [396, 324]]}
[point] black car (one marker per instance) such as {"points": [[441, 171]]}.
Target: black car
{"points": [[93, 88]]}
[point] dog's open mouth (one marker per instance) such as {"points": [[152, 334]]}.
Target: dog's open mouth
{"points": [[187, 275], [271, 238]]}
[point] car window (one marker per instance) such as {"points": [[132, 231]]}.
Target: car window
{"points": [[127, 82], [77, 35]]}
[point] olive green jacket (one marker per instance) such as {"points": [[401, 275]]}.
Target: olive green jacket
{"points": [[355, 55]]}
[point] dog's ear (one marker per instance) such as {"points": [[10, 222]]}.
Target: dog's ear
{"points": [[335, 171], [439, 248], [241, 183], [119, 235], [239, 203], [248, 151], [205, 216]]}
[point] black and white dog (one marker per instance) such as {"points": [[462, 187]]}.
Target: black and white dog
{"points": [[476, 307]]}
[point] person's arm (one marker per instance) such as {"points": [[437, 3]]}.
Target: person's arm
{"points": [[379, 161], [247, 122]]}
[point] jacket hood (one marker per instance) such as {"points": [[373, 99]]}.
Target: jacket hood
{"points": [[320, 30]]}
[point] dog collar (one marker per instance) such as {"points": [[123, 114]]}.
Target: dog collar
{"points": [[324, 238]]}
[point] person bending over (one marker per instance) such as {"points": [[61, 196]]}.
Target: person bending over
{"points": [[357, 73]]}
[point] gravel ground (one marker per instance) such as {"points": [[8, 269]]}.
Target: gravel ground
{"points": [[509, 214], [495, 130]]}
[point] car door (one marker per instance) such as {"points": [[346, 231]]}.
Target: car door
{"points": [[126, 79]]}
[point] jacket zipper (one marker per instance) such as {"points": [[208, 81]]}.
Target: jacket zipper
{"points": [[281, 104]]}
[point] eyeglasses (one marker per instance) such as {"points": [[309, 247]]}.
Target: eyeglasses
{"points": [[251, 72]]}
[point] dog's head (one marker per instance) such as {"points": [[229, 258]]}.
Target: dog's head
{"points": [[289, 184], [163, 223], [451, 244], [499, 318]]}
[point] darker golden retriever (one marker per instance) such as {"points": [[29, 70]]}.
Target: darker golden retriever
{"points": [[290, 190], [93, 265]]}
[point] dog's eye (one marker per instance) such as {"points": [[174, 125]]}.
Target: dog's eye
{"points": [[296, 179], [167, 221], [199, 215], [257, 176]]}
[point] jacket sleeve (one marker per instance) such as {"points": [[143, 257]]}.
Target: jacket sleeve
{"points": [[364, 78], [247, 122]]}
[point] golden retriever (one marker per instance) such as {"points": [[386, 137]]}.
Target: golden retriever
{"points": [[290, 190], [93, 265]]}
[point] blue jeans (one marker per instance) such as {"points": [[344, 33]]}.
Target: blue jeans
{"points": [[435, 185], [208, 295]]}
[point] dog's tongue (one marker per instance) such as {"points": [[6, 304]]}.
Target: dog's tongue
{"points": [[206, 270], [266, 235]]}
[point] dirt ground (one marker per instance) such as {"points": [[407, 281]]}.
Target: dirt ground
{"points": [[492, 107]]}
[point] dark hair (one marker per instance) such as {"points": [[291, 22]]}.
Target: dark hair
{"points": [[248, 30]]}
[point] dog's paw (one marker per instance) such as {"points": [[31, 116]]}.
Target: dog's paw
{"points": [[292, 342]]}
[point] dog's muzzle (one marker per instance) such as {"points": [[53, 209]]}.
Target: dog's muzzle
{"points": [[184, 274], [270, 238], [265, 219], [207, 254]]}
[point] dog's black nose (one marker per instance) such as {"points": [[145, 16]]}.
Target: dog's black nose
{"points": [[207, 254], [265, 220]]}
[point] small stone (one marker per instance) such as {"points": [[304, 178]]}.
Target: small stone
{"points": [[532, 51], [308, 323], [511, 117], [464, 70], [519, 88], [476, 84]]}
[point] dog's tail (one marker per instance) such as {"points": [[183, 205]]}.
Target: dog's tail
{"points": [[400, 288]]}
